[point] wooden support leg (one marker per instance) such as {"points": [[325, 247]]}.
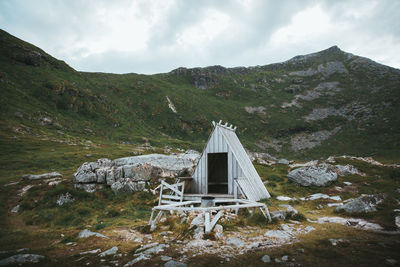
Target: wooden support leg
{"points": [[151, 217], [264, 210], [153, 224], [237, 209], [207, 223], [267, 211]]}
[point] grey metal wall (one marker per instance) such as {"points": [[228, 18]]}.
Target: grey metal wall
{"points": [[216, 144]]}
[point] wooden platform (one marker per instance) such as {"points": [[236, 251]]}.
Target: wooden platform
{"points": [[221, 206]]}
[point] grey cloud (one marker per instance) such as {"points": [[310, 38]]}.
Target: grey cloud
{"points": [[56, 25]]}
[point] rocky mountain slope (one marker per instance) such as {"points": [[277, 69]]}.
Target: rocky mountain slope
{"points": [[326, 103]]}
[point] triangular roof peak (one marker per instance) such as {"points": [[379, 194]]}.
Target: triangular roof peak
{"points": [[230, 127]]}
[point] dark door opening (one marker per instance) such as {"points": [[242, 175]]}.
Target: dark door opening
{"points": [[217, 173]]}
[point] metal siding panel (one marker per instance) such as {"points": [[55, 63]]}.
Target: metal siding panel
{"points": [[254, 185]]}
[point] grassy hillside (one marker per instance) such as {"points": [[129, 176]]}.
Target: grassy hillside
{"points": [[43, 96]]}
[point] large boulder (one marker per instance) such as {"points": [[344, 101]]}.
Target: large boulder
{"points": [[124, 174], [314, 175], [86, 173], [164, 165], [362, 204], [126, 185], [141, 172]]}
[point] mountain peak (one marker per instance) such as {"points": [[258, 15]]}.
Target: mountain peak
{"points": [[333, 52]]}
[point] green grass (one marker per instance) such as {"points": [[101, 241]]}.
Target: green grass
{"points": [[111, 108]]}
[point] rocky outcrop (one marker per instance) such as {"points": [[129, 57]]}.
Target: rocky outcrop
{"points": [[323, 89], [22, 259], [126, 175], [362, 204], [308, 176], [126, 185], [87, 233], [325, 70], [351, 111], [303, 141], [332, 67]]}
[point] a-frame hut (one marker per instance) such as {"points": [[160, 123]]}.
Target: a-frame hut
{"points": [[225, 167]]}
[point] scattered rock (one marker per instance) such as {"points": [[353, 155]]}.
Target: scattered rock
{"points": [[308, 229], [284, 161], [266, 258], [109, 252], [285, 258], [279, 215], [94, 251], [87, 233], [321, 196], [90, 188], [391, 262], [45, 121], [166, 258], [279, 234], [235, 242], [335, 242], [353, 222], [335, 204], [155, 249], [12, 183], [342, 170], [173, 263], [42, 176], [15, 209], [65, 198], [289, 209], [363, 204], [308, 176], [307, 164], [136, 260], [198, 220], [397, 221], [283, 198], [219, 232], [171, 105], [198, 232], [251, 110], [347, 183], [24, 190], [22, 259]]}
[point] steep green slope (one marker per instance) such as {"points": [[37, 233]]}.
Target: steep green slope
{"points": [[321, 104]]}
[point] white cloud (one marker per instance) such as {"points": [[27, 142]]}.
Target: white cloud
{"points": [[149, 36]]}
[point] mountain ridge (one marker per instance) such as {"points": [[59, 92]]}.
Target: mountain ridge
{"points": [[327, 102]]}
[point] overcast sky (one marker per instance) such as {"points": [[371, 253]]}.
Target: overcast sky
{"points": [[153, 36]]}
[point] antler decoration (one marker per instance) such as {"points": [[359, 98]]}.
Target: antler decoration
{"points": [[230, 127]]}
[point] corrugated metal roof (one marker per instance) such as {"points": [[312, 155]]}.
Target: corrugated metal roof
{"points": [[252, 185]]}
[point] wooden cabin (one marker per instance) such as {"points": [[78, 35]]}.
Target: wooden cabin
{"points": [[225, 169]]}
